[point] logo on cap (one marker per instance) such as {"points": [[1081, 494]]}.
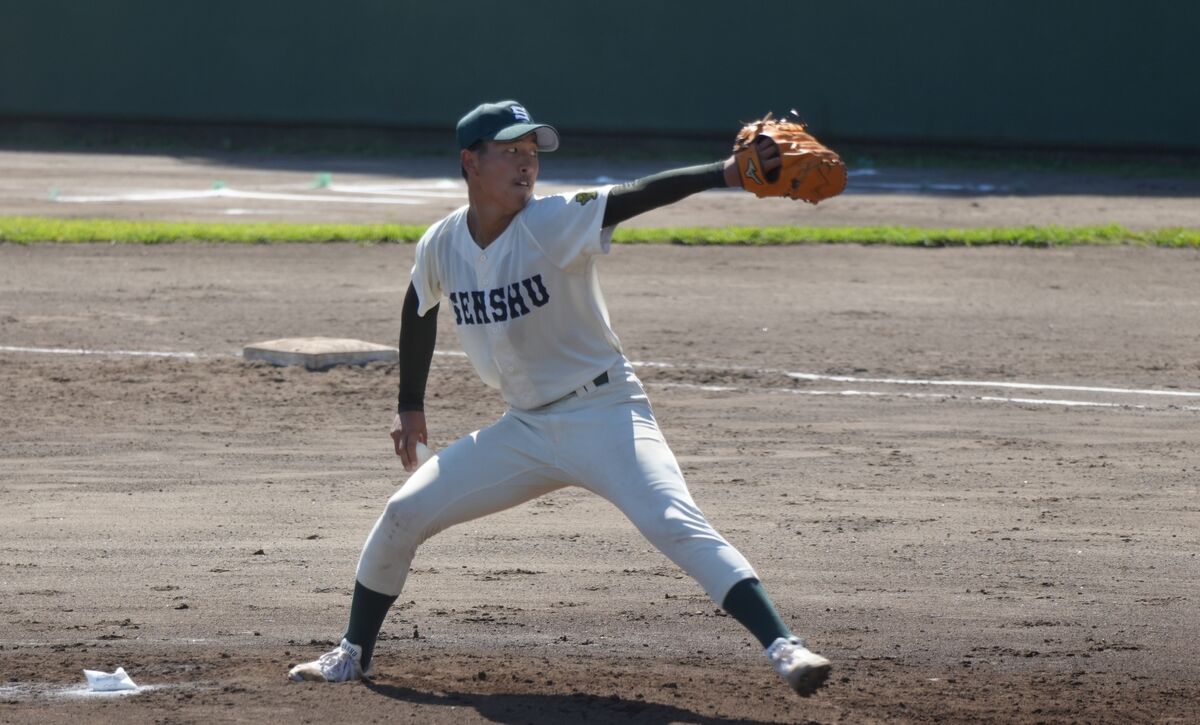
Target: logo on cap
{"points": [[520, 113]]}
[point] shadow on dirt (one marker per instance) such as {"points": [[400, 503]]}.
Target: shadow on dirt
{"points": [[558, 709]]}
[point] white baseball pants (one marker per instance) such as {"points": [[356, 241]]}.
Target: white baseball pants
{"points": [[606, 441]]}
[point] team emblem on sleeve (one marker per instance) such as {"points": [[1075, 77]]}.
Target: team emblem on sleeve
{"points": [[584, 197]]}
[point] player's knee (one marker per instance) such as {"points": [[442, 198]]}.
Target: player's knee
{"points": [[404, 524], [674, 526]]}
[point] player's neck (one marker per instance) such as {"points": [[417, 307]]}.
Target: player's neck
{"points": [[486, 222]]}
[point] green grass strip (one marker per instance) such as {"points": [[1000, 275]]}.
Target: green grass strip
{"points": [[1030, 236], [26, 230], [30, 230]]}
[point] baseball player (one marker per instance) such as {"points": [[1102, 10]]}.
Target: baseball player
{"points": [[519, 274]]}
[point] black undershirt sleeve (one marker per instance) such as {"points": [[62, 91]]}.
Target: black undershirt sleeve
{"points": [[417, 337], [627, 200]]}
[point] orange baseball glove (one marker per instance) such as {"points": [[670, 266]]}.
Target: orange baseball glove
{"points": [[808, 169]]}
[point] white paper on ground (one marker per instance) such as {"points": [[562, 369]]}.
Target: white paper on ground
{"points": [[109, 681]]}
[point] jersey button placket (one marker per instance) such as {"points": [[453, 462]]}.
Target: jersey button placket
{"points": [[482, 279], [502, 354], [485, 280]]}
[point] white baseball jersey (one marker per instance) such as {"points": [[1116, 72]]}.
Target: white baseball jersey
{"points": [[533, 322], [529, 310]]}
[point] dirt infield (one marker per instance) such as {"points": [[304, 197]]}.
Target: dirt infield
{"points": [[977, 496], [216, 187]]}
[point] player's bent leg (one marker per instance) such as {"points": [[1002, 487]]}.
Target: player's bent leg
{"points": [[482, 473], [485, 472]]}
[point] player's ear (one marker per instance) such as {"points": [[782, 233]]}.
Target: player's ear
{"points": [[466, 159]]}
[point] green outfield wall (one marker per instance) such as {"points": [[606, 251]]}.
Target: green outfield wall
{"points": [[1106, 73]]}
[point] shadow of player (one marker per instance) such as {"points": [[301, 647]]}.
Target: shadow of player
{"points": [[557, 709]]}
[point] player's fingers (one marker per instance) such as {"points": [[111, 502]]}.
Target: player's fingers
{"points": [[397, 437], [766, 147], [406, 458], [772, 163], [768, 153], [409, 458]]}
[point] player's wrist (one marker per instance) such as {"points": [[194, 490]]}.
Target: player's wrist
{"points": [[730, 173]]}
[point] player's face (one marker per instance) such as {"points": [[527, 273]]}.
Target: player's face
{"points": [[506, 171]]}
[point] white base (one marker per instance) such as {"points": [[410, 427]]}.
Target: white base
{"points": [[319, 353]]}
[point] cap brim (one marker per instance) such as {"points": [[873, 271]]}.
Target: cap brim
{"points": [[547, 136]]}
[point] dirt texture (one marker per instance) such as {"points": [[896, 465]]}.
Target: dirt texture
{"points": [[967, 476]]}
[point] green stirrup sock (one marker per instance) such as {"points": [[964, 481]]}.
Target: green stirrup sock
{"points": [[368, 609], [748, 603]]}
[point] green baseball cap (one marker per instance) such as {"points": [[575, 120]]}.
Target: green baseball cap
{"points": [[503, 121]]}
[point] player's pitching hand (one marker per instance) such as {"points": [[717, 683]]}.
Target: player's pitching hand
{"points": [[408, 428], [768, 152]]}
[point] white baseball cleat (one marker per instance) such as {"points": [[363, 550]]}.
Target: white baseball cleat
{"points": [[339, 665], [804, 671]]}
